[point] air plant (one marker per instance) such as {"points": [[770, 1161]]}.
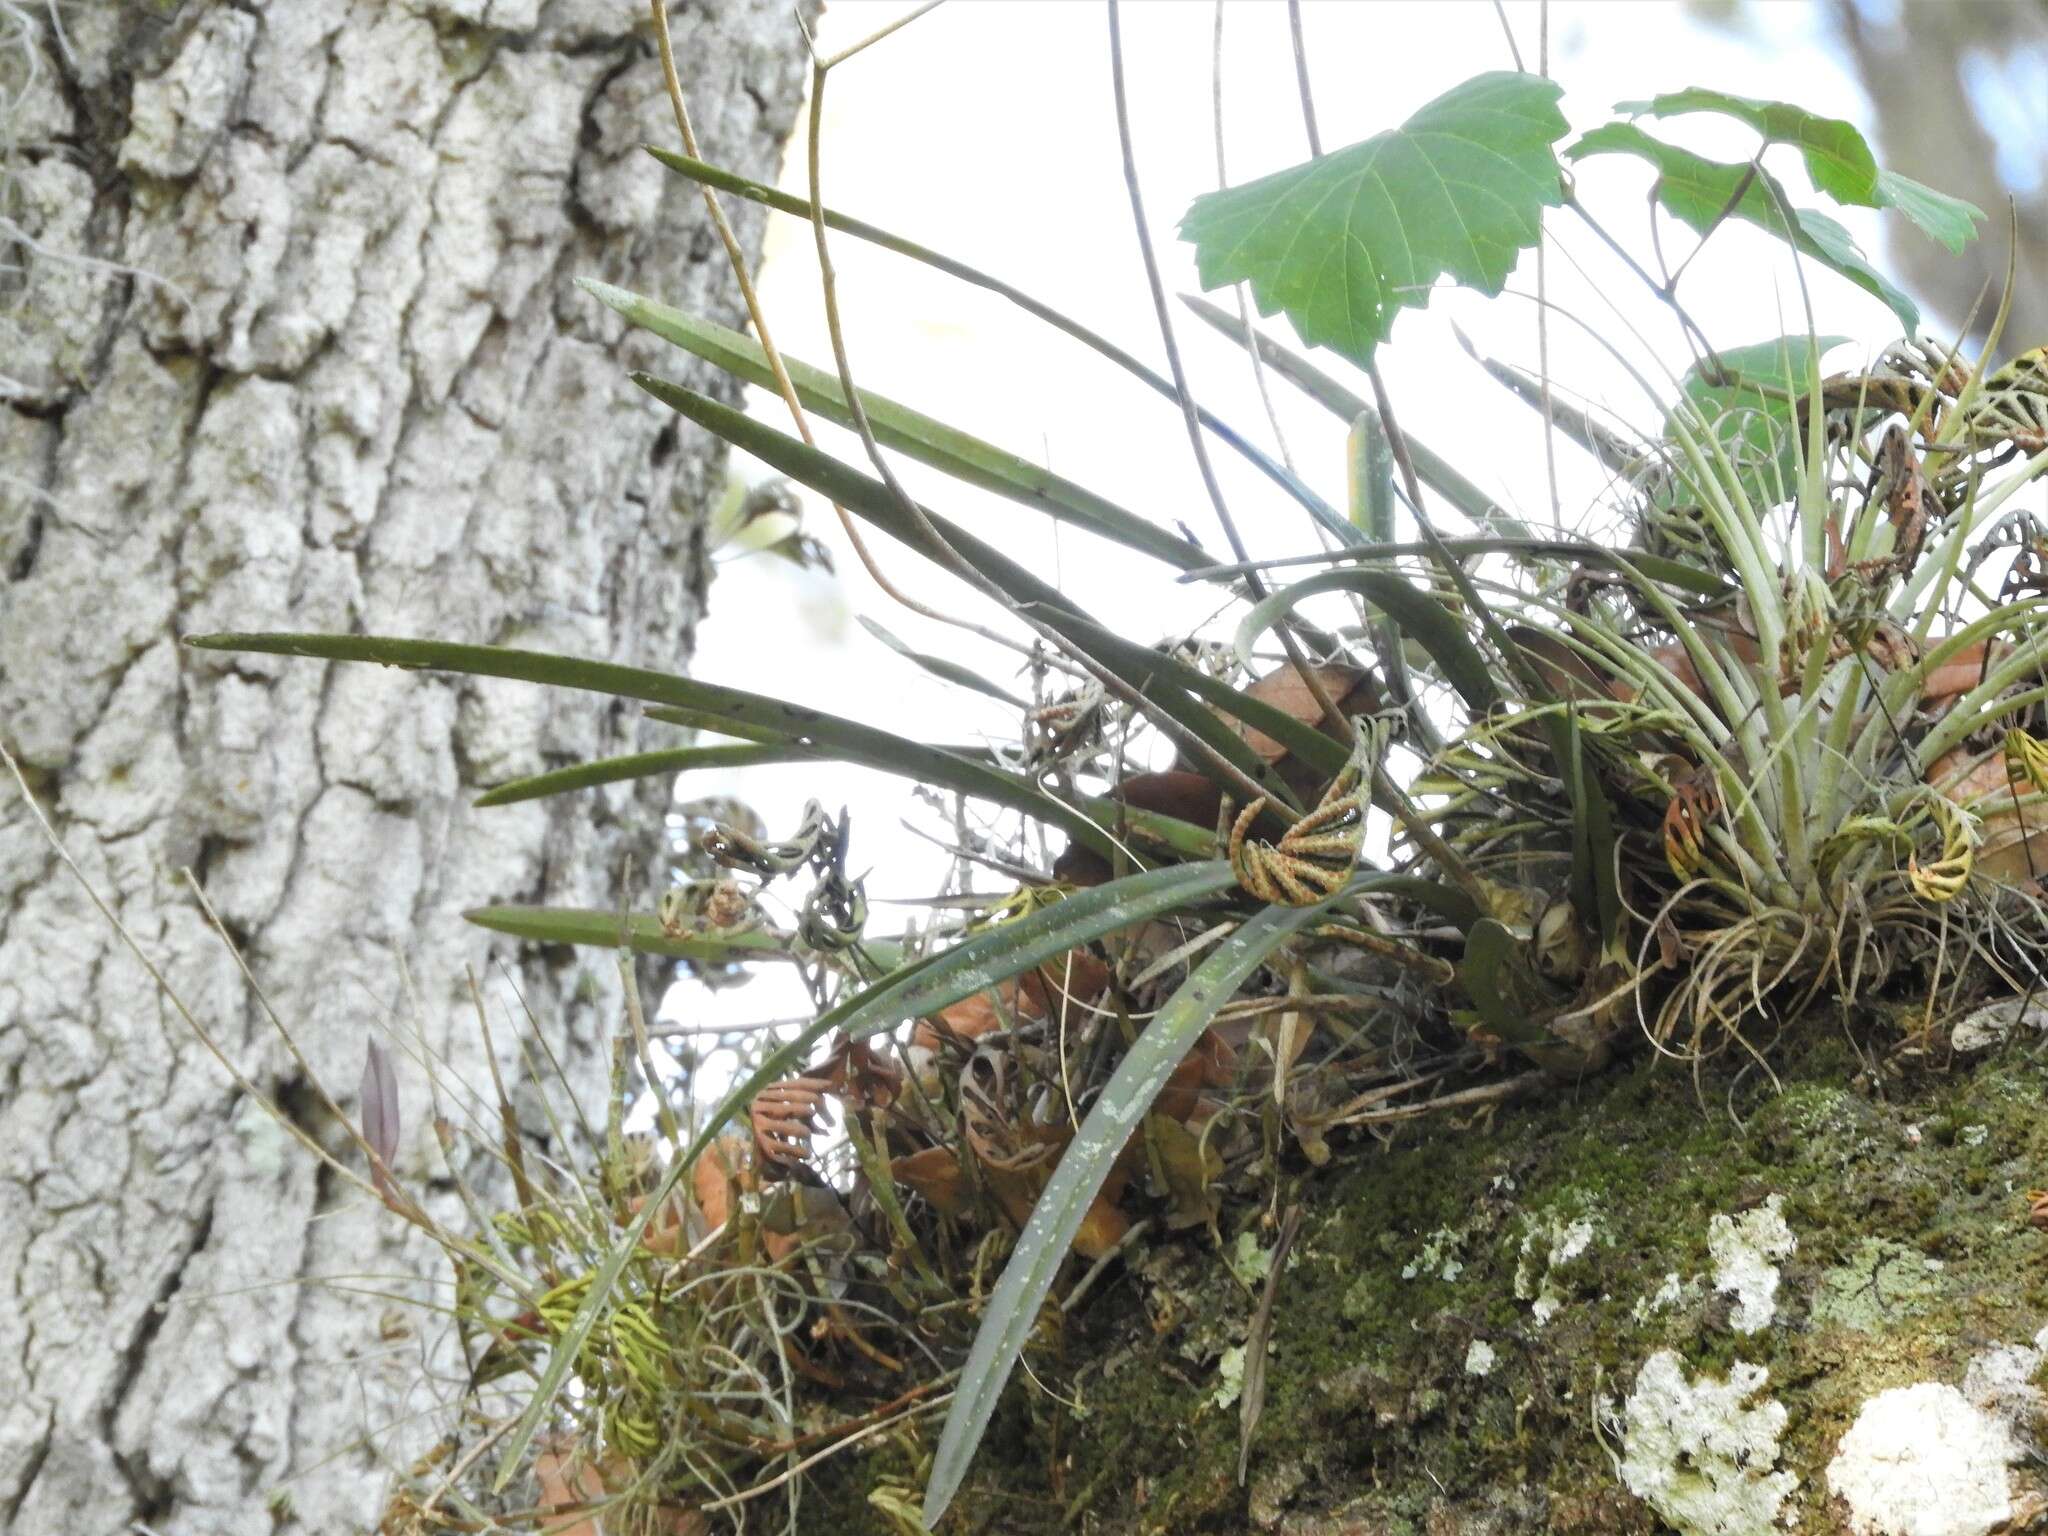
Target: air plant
{"points": [[1777, 742]]}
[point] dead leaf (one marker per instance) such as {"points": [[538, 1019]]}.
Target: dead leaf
{"points": [[1209, 1063], [934, 1173], [1190, 1170], [1075, 978], [568, 1481]]}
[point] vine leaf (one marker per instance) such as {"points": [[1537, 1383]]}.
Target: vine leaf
{"points": [[1699, 191], [1341, 243], [1751, 410], [1949, 220], [1838, 158]]}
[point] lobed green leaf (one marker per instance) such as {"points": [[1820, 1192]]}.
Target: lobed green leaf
{"points": [[1751, 410], [1838, 159], [1700, 192], [1343, 242]]}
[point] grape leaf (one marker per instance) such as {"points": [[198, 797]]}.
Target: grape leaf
{"points": [[1837, 158], [1757, 427], [1949, 220], [1341, 243], [1697, 190]]}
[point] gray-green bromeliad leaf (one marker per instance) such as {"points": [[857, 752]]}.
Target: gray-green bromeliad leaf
{"points": [[1342, 243]]}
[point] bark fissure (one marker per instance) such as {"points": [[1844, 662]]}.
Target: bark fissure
{"points": [[318, 364]]}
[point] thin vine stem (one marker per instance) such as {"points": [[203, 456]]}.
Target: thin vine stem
{"points": [[1226, 771], [1237, 293], [1338, 725], [737, 258]]}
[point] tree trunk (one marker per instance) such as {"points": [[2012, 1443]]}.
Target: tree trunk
{"points": [[288, 339], [1935, 125]]}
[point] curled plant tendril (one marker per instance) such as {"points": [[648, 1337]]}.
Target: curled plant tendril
{"points": [[1695, 802], [1945, 878], [785, 1118], [836, 910], [1314, 858], [734, 849], [2026, 760]]}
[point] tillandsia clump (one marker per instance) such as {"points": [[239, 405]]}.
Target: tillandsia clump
{"points": [[1778, 742]]}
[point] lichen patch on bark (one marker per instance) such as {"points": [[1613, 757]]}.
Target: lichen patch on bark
{"points": [[298, 347]]}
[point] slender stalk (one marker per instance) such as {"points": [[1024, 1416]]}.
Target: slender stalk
{"points": [[1543, 283], [1338, 726], [1237, 290], [738, 261], [1224, 771], [1308, 101]]}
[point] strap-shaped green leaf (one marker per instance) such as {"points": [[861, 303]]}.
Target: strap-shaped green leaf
{"points": [[608, 930], [1342, 242], [943, 667], [1370, 462], [643, 765], [1415, 612], [1432, 468], [923, 438], [709, 703], [1671, 573], [1752, 413], [709, 175], [1139, 666], [1027, 1279]]}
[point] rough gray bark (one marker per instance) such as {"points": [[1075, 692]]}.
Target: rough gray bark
{"points": [[355, 390]]}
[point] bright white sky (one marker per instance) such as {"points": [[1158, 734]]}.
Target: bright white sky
{"points": [[986, 130]]}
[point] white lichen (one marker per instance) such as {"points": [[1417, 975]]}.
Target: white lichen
{"points": [[1742, 1248], [1549, 1245], [1992, 1023], [1248, 1261], [1229, 1377], [1438, 1259], [1700, 1454], [1924, 1461], [1670, 1293], [2001, 1382], [1479, 1359]]}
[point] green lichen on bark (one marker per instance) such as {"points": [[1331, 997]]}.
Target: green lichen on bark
{"points": [[1903, 1188]]}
